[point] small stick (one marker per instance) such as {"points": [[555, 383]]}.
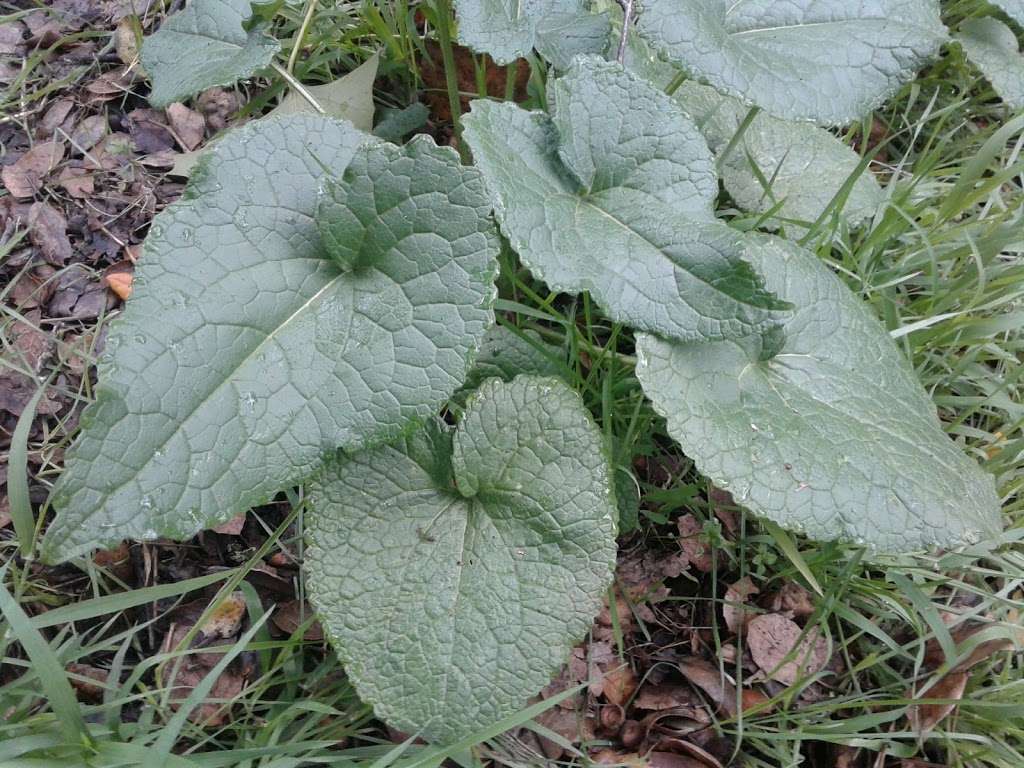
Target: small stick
{"points": [[627, 16]]}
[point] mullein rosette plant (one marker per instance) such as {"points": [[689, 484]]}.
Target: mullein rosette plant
{"points": [[305, 311]]}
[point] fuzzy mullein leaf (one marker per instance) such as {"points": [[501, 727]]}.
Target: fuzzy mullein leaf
{"points": [[833, 436], [245, 354], [993, 48], [507, 30], [830, 61], [202, 46], [454, 570], [613, 193], [804, 166]]}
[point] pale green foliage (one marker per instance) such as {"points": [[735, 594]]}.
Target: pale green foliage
{"points": [[834, 436], [202, 46], [245, 355], [487, 550], [561, 36], [804, 166], [505, 354], [510, 29], [613, 194], [993, 48], [830, 61]]}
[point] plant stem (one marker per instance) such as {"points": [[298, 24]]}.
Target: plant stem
{"points": [[511, 75], [627, 16], [443, 12], [301, 36], [294, 83]]}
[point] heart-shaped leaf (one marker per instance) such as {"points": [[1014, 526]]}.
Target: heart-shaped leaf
{"points": [[454, 572], [613, 194], [202, 46], [830, 61], [833, 436], [245, 354], [993, 48]]}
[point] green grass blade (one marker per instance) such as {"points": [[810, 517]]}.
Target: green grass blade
{"points": [[47, 666]]}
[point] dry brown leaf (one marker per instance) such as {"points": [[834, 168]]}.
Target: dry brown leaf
{"points": [[794, 601], [88, 681], [77, 182], [226, 618], [188, 125], [232, 527], [734, 610], [664, 696], [924, 717], [771, 637], [25, 176], [620, 684], [55, 118], [116, 560], [119, 279], [89, 132], [694, 543], [48, 231], [289, 616], [710, 680], [125, 42]]}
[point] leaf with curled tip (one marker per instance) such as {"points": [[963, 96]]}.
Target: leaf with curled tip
{"points": [[833, 436], [613, 194], [246, 354], [454, 570]]}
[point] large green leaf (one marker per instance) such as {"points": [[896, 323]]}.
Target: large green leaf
{"points": [[833, 436], [562, 36], [613, 194], [993, 47], [830, 61], [350, 97], [245, 354], [453, 574], [202, 46], [799, 164], [508, 29]]}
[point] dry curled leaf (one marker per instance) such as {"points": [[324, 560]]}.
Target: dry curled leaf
{"points": [[620, 684], [25, 176], [950, 688], [772, 639], [48, 231], [735, 610], [188, 126]]}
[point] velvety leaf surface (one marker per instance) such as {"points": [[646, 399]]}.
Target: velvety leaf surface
{"points": [[504, 354], [561, 36], [993, 48], [834, 436], [453, 573], [613, 194], [830, 61], [1014, 9], [805, 166], [245, 354], [204, 45], [506, 29]]}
